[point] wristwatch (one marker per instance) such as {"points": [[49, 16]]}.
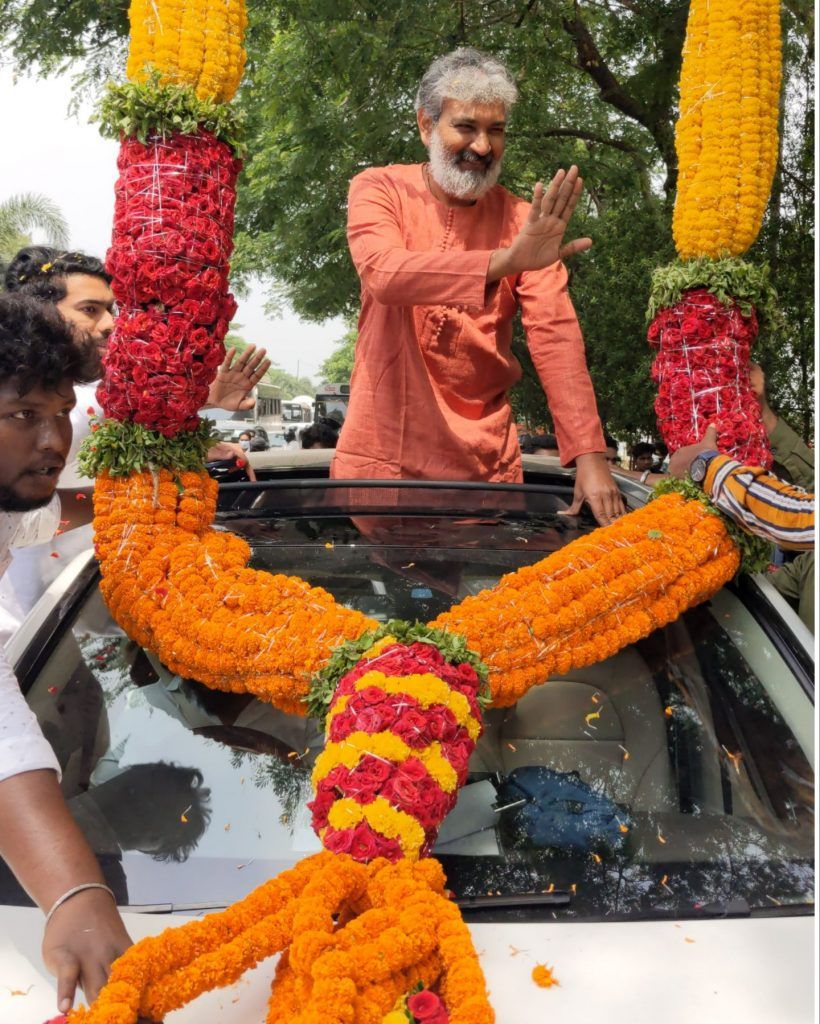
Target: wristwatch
{"points": [[700, 466]]}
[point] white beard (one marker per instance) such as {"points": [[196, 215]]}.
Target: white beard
{"points": [[458, 183]]}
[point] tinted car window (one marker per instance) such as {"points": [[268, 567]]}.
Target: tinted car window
{"points": [[673, 776]]}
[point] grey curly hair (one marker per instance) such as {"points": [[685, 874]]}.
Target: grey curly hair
{"points": [[468, 75]]}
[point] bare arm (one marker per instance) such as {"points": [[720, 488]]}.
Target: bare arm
{"points": [[49, 855]]}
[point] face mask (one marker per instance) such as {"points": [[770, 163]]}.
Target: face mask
{"points": [[245, 446]]}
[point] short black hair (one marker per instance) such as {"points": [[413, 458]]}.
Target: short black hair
{"points": [[642, 448], [610, 441], [40, 271], [320, 433], [37, 346]]}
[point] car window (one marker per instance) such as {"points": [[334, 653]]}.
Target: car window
{"points": [[675, 775]]}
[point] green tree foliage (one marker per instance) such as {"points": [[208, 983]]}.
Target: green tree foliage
{"points": [[24, 213], [329, 91], [338, 366]]}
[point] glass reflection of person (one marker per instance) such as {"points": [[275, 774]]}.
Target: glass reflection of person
{"points": [[161, 810]]}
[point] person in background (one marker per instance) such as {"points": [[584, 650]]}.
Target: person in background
{"points": [[245, 440], [539, 444], [661, 453], [318, 435], [46, 851], [79, 287], [643, 457], [611, 452], [447, 257]]}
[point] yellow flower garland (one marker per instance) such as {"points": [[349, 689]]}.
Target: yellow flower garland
{"points": [[427, 689], [383, 818], [726, 135], [190, 42], [350, 751]]}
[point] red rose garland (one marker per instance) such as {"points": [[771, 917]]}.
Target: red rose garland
{"points": [[172, 240], [408, 786], [702, 372]]}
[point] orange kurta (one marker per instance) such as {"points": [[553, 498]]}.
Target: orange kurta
{"points": [[433, 358]]}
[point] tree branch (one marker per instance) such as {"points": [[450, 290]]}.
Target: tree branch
{"points": [[612, 92]]}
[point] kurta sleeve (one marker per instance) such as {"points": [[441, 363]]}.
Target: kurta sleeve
{"points": [[557, 350], [395, 275]]}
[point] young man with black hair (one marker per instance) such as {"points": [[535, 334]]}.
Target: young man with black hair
{"points": [[79, 287], [39, 365]]}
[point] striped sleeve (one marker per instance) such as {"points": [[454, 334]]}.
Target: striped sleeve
{"points": [[761, 503]]}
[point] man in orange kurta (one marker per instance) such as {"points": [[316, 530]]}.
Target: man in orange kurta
{"points": [[443, 276]]}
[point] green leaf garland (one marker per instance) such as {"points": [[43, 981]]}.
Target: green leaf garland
{"points": [[452, 647], [731, 280], [146, 109], [121, 448]]}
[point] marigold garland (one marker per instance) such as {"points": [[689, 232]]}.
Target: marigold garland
{"points": [[363, 928], [726, 141], [595, 596], [190, 42], [726, 134]]}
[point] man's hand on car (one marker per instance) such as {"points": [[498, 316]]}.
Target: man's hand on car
{"points": [[595, 486], [82, 940], [229, 450]]}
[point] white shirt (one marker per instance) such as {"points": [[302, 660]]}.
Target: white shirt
{"points": [[23, 748], [32, 568]]}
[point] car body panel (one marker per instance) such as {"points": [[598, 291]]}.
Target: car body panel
{"points": [[618, 972], [751, 970]]}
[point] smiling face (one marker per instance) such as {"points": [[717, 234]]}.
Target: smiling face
{"points": [[89, 307], [466, 147], [35, 437]]}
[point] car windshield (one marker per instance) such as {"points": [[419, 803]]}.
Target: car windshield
{"points": [[674, 776]]}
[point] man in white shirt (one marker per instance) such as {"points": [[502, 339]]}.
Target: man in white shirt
{"points": [[80, 288], [39, 840]]}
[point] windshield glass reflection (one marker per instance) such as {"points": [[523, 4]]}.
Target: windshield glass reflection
{"points": [[675, 774]]}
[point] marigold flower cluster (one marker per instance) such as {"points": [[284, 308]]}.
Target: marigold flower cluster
{"points": [[595, 596], [400, 731], [354, 939], [173, 236], [190, 42], [726, 134], [183, 590], [702, 373]]}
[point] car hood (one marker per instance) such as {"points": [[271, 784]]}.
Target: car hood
{"points": [[751, 970]]}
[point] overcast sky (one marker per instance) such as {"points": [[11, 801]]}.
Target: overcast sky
{"points": [[46, 151]]}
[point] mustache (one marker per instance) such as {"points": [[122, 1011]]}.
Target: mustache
{"points": [[468, 156]]}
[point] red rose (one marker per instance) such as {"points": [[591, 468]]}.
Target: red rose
{"points": [[364, 845], [372, 695], [424, 1005], [338, 841]]}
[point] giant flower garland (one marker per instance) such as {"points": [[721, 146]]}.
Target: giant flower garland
{"points": [[726, 140], [365, 931]]}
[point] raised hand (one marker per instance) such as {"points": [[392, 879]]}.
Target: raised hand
{"points": [[540, 242], [234, 381]]}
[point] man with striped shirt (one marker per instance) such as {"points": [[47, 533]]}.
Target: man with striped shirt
{"points": [[751, 496]]}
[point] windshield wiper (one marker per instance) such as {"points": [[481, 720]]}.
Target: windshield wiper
{"points": [[556, 898]]}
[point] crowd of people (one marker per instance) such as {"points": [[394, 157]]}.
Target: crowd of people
{"points": [[447, 258]]}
